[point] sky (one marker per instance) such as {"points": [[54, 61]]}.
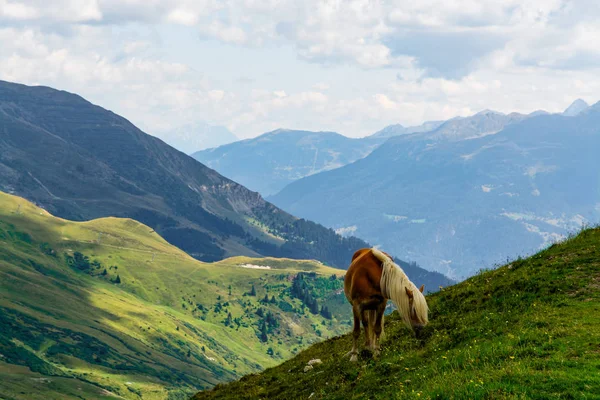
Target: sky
{"points": [[352, 66]]}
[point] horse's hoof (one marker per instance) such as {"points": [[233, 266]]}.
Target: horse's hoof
{"points": [[354, 358]]}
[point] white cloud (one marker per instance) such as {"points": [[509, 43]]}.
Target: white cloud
{"points": [[451, 57], [183, 17], [50, 12]]}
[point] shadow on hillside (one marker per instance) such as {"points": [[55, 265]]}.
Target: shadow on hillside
{"points": [[52, 322]]}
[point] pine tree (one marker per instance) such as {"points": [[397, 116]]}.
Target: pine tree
{"points": [[313, 306], [273, 301], [263, 332], [266, 298], [253, 291], [325, 312], [118, 280], [230, 290]]}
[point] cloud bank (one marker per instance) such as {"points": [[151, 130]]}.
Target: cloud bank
{"points": [[352, 66]]}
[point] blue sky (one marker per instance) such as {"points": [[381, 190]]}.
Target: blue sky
{"points": [[350, 66]]}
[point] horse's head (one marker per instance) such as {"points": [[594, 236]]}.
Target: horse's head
{"points": [[418, 308]]}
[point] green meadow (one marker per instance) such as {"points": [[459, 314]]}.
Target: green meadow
{"points": [[527, 330], [108, 308]]}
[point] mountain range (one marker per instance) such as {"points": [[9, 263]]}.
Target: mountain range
{"points": [[80, 162], [270, 161], [398, 129], [467, 195]]}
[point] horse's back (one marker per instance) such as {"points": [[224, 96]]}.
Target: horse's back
{"points": [[363, 276], [359, 253]]}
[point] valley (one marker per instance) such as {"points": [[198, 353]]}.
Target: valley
{"points": [[110, 308]]}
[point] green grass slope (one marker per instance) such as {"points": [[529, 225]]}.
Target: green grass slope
{"points": [[530, 329], [108, 308]]}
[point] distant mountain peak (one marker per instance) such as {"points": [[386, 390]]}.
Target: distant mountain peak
{"points": [[279, 130], [575, 108], [538, 112], [488, 111], [398, 129]]}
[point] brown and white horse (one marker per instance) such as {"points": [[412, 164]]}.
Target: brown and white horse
{"points": [[371, 280]]}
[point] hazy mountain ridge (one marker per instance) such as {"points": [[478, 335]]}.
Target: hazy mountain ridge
{"points": [[275, 159], [270, 161], [398, 129], [443, 203]]}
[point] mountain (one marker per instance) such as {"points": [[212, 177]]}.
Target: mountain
{"points": [[397, 129], [483, 123], [275, 159], [530, 329], [107, 308], [269, 162], [198, 136], [80, 162], [447, 203], [575, 108]]}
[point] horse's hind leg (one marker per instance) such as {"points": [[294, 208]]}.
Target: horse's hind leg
{"points": [[378, 329], [368, 318], [355, 335]]}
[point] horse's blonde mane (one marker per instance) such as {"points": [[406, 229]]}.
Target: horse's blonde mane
{"points": [[394, 283]]}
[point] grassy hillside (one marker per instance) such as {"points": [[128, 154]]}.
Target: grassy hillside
{"points": [[530, 329], [108, 307]]}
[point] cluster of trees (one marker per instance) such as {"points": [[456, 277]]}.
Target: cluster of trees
{"points": [[266, 299], [220, 306], [302, 291], [81, 262], [78, 261], [266, 325]]}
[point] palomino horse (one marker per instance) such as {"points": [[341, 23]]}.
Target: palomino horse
{"points": [[371, 280]]}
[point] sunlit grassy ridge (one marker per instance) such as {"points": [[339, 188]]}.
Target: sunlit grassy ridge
{"points": [[172, 326], [530, 329]]}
